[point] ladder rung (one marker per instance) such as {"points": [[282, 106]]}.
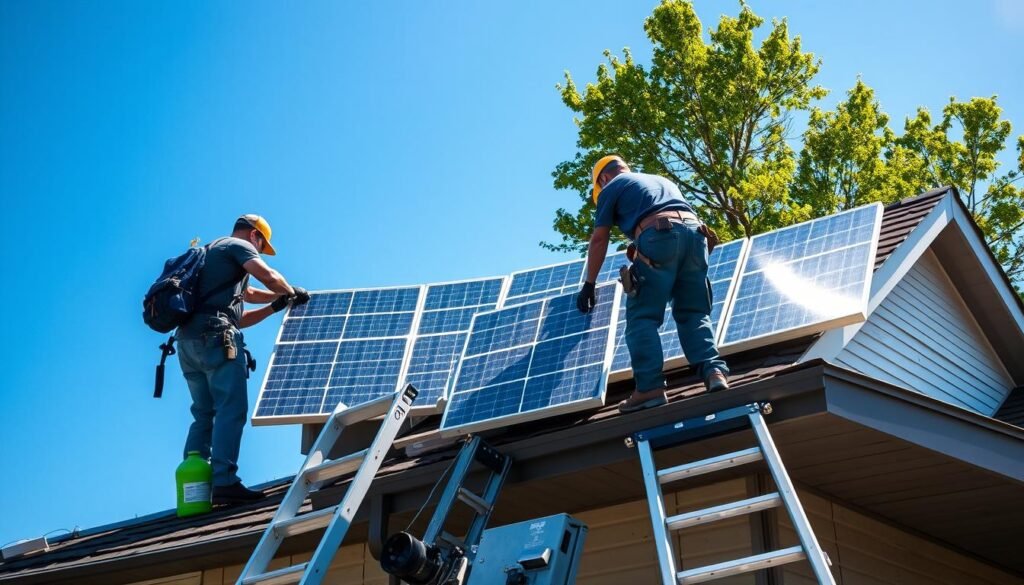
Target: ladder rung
{"points": [[709, 465], [283, 576], [473, 501], [365, 411], [335, 467], [740, 566], [452, 539], [749, 506], [305, 523]]}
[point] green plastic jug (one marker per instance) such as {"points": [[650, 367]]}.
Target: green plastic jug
{"points": [[195, 482]]}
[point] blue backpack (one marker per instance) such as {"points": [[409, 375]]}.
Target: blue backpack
{"points": [[174, 297]]}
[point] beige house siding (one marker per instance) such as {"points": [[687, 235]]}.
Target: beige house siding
{"points": [[619, 549], [865, 551]]}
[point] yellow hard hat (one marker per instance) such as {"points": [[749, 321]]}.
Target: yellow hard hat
{"points": [[601, 164], [260, 225]]}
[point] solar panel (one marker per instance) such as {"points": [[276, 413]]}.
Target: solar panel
{"points": [[447, 314], [722, 266], [532, 360], [539, 283], [341, 346], [804, 278]]}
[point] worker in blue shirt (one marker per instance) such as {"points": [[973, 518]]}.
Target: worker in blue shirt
{"points": [[212, 353], [670, 263]]}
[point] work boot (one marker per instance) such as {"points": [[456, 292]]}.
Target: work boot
{"points": [[236, 493], [716, 381], [641, 400]]}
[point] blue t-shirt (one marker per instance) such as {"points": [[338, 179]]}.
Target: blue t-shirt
{"points": [[630, 197], [224, 260]]}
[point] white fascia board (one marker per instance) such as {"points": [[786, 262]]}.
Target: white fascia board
{"points": [[892, 271], [992, 270]]}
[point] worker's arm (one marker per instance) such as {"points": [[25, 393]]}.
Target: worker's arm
{"points": [[597, 251], [254, 316], [259, 296], [270, 278]]}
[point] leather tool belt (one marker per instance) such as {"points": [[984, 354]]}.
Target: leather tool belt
{"points": [[673, 216], [661, 220]]}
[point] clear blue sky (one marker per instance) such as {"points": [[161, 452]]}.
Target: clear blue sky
{"points": [[386, 142]]}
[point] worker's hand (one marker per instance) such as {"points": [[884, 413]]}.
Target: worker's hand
{"points": [[301, 296], [280, 303], [587, 299]]}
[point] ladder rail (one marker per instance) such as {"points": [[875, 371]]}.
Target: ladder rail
{"points": [[815, 555], [396, 407], [656, 506], [357, 489], [716, 424], [474, 450]]}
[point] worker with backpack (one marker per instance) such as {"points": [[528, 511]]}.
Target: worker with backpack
{"points": [[201, 293]]}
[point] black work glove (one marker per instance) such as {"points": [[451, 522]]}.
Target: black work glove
{"points": [[301, 296], [587, 299], [280, 303]]}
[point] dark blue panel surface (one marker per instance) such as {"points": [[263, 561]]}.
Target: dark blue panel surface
{"points": [[504, 329], [378, 325], [550, 278], [393, 300], [433, 359], [463, 294], [323, 303], [508, 370], [448, 321], [484, 404], [312, 328], [364, 370]]}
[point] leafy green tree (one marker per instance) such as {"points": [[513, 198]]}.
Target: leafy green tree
{"points": [[842, 164], [962, 150], [712, 115]]}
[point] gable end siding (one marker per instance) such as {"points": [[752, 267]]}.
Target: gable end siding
{"points": [[923, 337]]}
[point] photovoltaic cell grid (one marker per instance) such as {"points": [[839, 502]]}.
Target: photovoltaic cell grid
{"points": [[532, 360], [533, 285], [722, 266], [342, 346], [447, 314], [805, 275]]}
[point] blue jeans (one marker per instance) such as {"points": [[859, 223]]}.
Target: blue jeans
{"points": [[681, 256], [219, 401]]}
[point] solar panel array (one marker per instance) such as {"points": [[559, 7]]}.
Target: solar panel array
{"points": [[526, 352], [539, 283], [342, 346], [447, 314], [803, 277], [533, 360]]}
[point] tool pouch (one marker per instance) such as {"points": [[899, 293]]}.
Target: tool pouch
{"points": [[230, 351], [630, 280], [710, 236]]}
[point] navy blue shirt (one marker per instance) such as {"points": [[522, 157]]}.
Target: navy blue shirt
{"points": [[630, 197], [224, 260]]}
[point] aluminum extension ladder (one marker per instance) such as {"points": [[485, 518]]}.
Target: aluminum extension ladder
{"points": [[703, 427], [316, 471], [497, 467]]}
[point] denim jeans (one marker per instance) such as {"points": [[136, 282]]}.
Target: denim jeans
{"points": [[219, 401], [681, 257]]}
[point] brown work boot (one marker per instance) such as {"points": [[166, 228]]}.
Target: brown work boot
{"points": [[716, 381], [641, 400]]}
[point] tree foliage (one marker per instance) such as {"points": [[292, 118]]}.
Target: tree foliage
{"points": [[714, 113], [712, 116]]}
